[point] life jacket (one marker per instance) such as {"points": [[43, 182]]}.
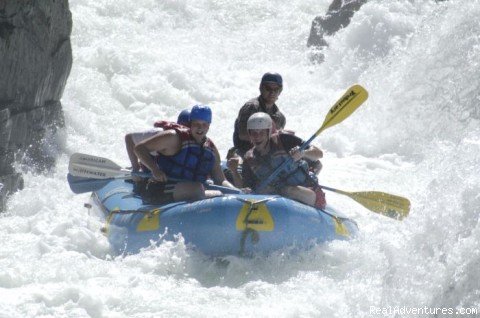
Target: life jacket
{"points": [[193, 162], [165, 125], [262, 167]]}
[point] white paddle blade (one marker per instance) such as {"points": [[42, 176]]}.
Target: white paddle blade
{"points": [[88, 166], [93, 161]]}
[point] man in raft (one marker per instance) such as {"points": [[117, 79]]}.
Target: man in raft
{"points": [[271, 86], [270, 151], [186, 154], [132, 139]]}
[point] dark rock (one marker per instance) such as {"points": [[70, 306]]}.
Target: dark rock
{"points": [[35, 61], [338, 16], [3, 197], [13, 181]]}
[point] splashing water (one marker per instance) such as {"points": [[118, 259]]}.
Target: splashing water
{"points": [[418, 135]]}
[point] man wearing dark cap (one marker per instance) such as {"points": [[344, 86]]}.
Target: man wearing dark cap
{"points": [[270, 88]]}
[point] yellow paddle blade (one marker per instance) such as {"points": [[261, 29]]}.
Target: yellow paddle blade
{"points": [[389, 205], [344, 107]]}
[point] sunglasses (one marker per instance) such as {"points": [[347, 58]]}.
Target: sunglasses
{"points": [[272, 89]]}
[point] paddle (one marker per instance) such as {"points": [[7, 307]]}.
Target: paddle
{"points": [[84, 185], [89, 173], [389, 205], [344, 107], [88, 166], [386, 204]]}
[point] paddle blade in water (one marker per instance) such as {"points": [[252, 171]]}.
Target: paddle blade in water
{"points": [[84, 185], [389, 205]]}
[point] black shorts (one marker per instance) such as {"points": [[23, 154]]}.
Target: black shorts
{"points": [[154, 192]]}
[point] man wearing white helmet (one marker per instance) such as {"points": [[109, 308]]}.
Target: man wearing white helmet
{"points": [[270, 151]]}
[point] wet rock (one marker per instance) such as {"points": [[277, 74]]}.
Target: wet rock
{"points": [[337, 17], [35, 61]]}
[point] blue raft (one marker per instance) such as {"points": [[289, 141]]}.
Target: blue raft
{"points": [[232, 224]]}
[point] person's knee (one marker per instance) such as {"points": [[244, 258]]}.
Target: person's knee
{"points": [[189, 191], [285, 191], [197, 190], [309, 196], [299, 193], [292, 192]]}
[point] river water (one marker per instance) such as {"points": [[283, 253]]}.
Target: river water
{"points": [[418, 136]]}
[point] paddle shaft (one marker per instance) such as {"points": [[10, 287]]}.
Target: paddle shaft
{"points": [[84, 184], [345, 106]]}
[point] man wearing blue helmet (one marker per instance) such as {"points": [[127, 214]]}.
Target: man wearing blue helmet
{"points": [[271, 86], [186, 154], [184, 118]]}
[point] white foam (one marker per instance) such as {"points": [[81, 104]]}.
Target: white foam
{"points": [[417, 136]]}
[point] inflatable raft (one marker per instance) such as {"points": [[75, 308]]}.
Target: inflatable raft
{"points": [[233, 224]]}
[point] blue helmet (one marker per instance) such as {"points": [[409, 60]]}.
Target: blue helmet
{"points": [[272, 78], [184, 117], [201, 112]]}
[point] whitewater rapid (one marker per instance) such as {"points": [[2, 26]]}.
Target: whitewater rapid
{"points": [[418, 136]]}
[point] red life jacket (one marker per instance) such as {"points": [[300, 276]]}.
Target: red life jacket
{"points": [[167, 125]]}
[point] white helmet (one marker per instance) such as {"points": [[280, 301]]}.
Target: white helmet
{"points": [[260, 121]]}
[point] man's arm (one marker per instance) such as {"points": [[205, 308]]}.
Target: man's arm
{"points": [[313, 153], [248, 177], [292, 144], [130, 145], [166, 143], [217, 173], [232, 165], [279, 120], [131, 139], [245, 112]]}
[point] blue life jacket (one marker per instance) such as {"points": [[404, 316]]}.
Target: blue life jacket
{"points": [[263, 166], [194, 162]]}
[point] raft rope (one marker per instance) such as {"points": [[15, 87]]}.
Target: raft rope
{"points": [[340, 219], [151, 211]]}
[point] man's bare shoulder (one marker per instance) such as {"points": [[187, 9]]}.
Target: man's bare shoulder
{"points": [[167, 137]]}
